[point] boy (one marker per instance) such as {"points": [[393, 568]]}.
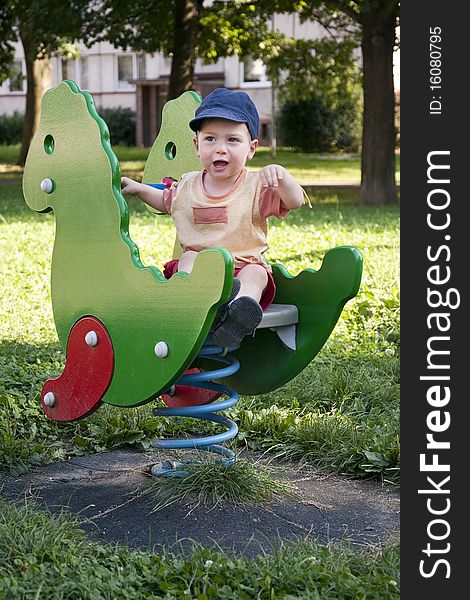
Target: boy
{"points": [[226, 206]]}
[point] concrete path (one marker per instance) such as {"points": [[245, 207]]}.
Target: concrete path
{"points": [[107, 491]]}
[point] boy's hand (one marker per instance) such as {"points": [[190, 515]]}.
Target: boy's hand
{"points": [[148, 194], [130, 187], [271, 174], [275, 176]]}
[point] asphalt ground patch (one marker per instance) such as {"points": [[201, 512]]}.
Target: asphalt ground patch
{"points": [[108, 493]]}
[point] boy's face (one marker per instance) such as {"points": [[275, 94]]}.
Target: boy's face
{"points": [[224, 147]]}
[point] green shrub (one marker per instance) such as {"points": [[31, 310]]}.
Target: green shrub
{"points": [[313, 126], [120, 121], [121, 125], [11, 127]]}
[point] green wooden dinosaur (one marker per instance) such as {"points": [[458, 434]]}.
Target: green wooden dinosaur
{"points": [[100, 287]]}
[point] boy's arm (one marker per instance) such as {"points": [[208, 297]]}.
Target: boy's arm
{"points": [[148, 194], [291, 193]]}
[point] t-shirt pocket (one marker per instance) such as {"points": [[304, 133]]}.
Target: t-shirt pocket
{"points": [[210, 214]]}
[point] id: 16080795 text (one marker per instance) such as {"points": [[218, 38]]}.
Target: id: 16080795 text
{"points": [[435, 70]]}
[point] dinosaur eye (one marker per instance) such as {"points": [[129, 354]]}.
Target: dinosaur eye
{"points": [[49, 144], [170, 150]]}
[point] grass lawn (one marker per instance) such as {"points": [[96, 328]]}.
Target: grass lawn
{"points": [[340, 414]]}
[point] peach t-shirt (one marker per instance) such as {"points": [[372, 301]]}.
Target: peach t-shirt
{"points": [[236, 221]]}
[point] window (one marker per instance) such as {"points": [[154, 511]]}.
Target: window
{"points": [[141, 67], [165, 62], [254, 71], [17, 79], [125, 70], [84, 84], [130, 66]]}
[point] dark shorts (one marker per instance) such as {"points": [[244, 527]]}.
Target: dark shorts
{"points": [[171, 267]]}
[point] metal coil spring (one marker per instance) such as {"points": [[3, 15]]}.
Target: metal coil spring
{"points": [[205, 412]]}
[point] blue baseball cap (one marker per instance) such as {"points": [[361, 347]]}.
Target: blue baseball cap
{"points": [[222, 103]]}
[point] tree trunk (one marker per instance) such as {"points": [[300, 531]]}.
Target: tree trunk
{"points": [[37, 77], [378, 134], [184, 42]]}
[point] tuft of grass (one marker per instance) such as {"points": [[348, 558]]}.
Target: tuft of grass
{"points": [[211, 483], [44, 556]]}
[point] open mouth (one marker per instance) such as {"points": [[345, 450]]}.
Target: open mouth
{"points": [[219, 164]]}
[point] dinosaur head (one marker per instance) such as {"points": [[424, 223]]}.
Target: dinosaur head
{"points": [[70, 158]]}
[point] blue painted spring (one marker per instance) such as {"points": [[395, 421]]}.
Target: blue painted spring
{"points": [[205, 412]]}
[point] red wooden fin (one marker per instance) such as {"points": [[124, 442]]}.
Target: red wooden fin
{"points": [[89, 368], [186, 395]]}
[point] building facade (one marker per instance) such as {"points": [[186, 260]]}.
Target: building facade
{"points": [[139, 81]]}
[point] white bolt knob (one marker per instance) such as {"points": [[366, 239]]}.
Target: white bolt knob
{"points": [[49, 399], [91, 338], [47, 185], [161, 349]]}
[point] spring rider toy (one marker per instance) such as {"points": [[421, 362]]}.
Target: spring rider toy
{"points": [[129, 334]]}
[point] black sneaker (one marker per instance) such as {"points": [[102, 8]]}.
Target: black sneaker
{"points": [[241, 318], [222, 309]]}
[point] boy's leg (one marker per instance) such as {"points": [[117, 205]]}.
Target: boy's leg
{"points": [[244, 313], [186, 261], [253, 280]]}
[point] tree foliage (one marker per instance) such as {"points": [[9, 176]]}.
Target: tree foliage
{"points": [[185, 30], [325, 67], [225, 28], [7, 50], [44, 24], [238, 28]]}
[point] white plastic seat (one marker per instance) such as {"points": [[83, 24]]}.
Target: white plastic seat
{"points": [[281, 318]]}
